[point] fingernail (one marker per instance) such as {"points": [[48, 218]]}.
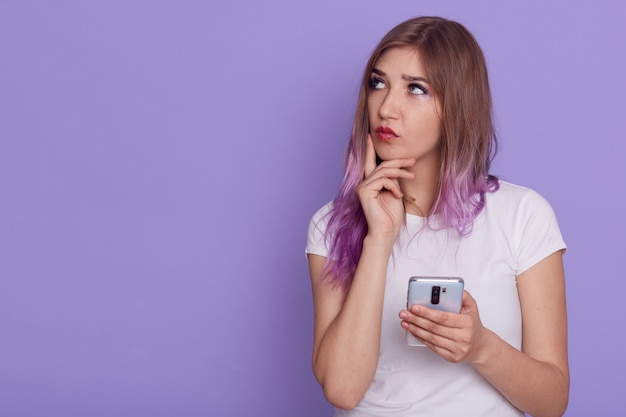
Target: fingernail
{"points": [[403, 315]]}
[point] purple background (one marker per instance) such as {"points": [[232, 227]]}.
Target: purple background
{"points": [[159, 163]]}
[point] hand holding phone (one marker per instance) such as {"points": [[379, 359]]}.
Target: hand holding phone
{"points": [[439, 293]]}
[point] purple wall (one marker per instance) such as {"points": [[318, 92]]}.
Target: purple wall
{"points": [[159, 162]]}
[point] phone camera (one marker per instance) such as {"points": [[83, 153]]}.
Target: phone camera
{"points": [[434, 294]]}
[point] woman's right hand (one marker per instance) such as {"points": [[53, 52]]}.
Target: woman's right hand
{"points": [[380, 193]]}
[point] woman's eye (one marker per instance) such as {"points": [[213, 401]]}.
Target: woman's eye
{"points": [[417, 90], [377, 83]]}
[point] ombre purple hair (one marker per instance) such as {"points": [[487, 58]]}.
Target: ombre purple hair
{"points": [[456, 68]]}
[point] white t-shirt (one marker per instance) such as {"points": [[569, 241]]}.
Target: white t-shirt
{"points": [[516, 229]]}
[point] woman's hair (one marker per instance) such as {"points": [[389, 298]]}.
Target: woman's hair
{"points": [[456, 69]]}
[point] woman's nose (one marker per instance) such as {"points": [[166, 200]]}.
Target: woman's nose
{"points": [[389, 107]]}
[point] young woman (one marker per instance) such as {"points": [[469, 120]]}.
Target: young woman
{"points": [[417, 199]]}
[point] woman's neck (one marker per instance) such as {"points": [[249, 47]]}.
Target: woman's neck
{"points": [[420, 192]]}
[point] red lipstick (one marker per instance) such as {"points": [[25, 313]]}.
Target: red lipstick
{"points": [[386, 134]]}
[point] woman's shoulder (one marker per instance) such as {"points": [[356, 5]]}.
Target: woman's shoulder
{"points": [[320, 217], [519, 204], [526, 221], [316, 238], [513, 195], [323, 211], [509, 189]]}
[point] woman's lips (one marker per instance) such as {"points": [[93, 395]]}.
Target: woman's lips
{"points": [[386, 134]]}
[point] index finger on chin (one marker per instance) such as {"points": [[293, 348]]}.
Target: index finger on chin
{"points": [[370, 156]]}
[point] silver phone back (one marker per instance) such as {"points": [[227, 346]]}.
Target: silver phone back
{"points": [[420, 292]]}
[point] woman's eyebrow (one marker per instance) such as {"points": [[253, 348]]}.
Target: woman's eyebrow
{"points": [[404, 76], [414, 78]]}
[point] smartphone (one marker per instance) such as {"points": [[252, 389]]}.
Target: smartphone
{"points": [[439, 293]]}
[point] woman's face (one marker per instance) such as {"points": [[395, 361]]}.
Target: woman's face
{"points": [[404, 115]]}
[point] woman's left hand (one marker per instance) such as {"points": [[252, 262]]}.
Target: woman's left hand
{"points": [[455, 337]]}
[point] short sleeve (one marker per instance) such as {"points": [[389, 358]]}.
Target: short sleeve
{"points": [[537, 231], [316, 242]]}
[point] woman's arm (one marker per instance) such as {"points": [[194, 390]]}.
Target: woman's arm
{"points": [[535, 380], [347, 327], [348, 322]]}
